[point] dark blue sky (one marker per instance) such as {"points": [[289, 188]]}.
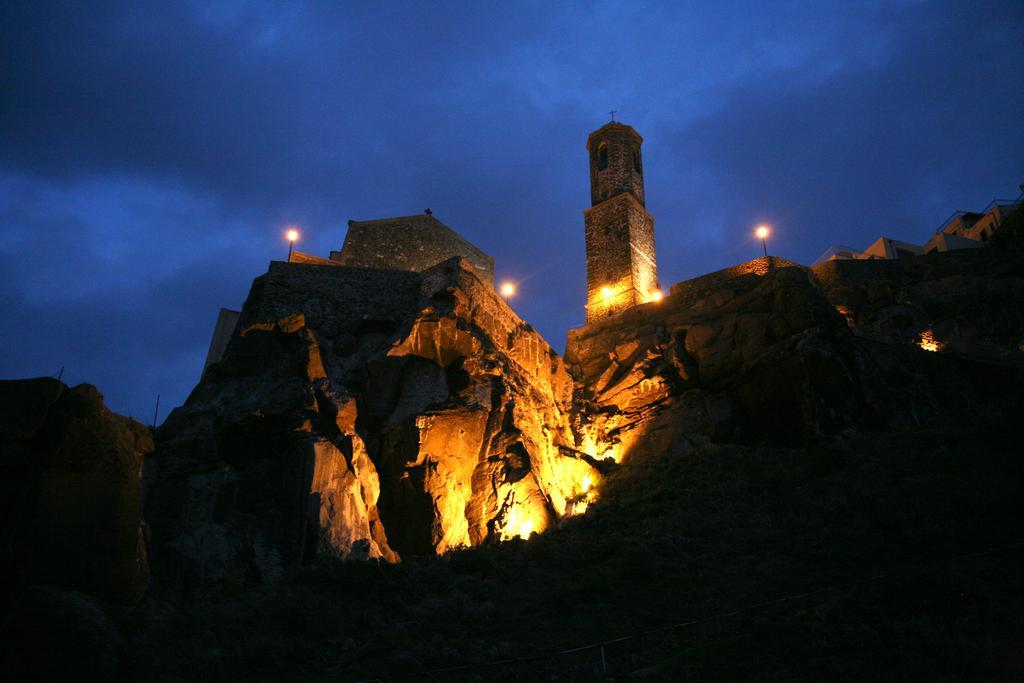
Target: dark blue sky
{"points": [[151, 154]]}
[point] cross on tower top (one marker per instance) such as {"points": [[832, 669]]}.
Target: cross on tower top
{"points": [[612, 114]]}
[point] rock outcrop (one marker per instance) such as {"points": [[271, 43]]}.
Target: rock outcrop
{"points": [[760, 352], [70, 476], [50, 635], [968, 302], [364, 413]]}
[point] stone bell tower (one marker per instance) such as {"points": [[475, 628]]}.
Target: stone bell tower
{"points": [[622, 269]]}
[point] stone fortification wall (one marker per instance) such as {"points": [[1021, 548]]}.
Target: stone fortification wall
{"points": [[412, 243], [331, 297], [706, 285], [223, 330]]}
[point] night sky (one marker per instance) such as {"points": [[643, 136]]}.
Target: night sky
{"points": [[152, 154]]}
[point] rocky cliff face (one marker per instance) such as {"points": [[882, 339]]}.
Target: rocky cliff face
{"points": [[70, 478], [364, 414], [766, 351], [968, 302]]}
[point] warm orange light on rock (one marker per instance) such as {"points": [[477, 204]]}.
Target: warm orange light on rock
{"points": [[607, 293], [579, 503], [928, 342], [519, 524]]}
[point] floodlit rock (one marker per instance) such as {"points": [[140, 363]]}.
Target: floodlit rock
{"points": [[71, 473], [343, 499], [762, 352], [363, 414], [379, 414]]}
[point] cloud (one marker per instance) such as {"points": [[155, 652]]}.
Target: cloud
{"points": [[116, 281], [152, 153]]}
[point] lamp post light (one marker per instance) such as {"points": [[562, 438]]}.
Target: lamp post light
{"points": [[508, 290], [292, 235], [762, 232]]}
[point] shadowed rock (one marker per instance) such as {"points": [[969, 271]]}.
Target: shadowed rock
{"points": [[379, 414], [71, 473], [969, 302], [363, 413], [759, 352], [50, 635]]}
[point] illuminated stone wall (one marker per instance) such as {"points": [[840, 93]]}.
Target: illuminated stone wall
{"points": [[622, 266]]}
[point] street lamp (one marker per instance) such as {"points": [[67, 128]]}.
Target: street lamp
{"points": [[292, 235], [762, 232], [508, 290]]}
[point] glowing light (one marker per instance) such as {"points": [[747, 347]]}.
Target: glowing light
{"points": [[928, 342], [578, 504], [508, 289], [607, 293], [292, 234], [762, 231], [846, 313], [518, 524], [655, 295]]}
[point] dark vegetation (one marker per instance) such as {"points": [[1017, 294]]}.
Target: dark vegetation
{"points": [[902, 555]]}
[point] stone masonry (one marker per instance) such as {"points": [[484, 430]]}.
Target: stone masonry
{"points": [[622, 266], [413, 243]]}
